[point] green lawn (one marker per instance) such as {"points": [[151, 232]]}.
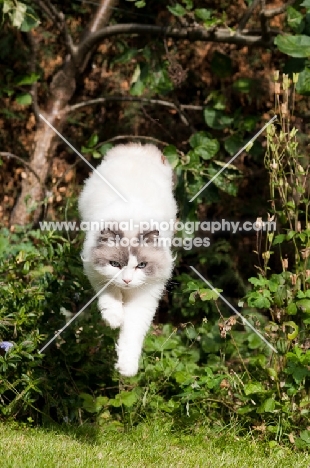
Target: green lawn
{"points": [[148, 445]]}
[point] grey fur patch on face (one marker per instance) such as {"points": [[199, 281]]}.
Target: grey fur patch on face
{"points": [[147, 251], [108, 249]]}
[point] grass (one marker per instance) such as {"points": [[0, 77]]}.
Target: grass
{"points": [[152, 444]]}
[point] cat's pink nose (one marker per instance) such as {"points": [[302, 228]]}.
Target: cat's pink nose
{"points": [[126, 280]]}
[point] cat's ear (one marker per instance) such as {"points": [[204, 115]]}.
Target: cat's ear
{"points": [[150, 236], [106, 235]]}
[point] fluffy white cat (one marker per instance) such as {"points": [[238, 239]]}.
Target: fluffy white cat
{"points": [[130, 254]]}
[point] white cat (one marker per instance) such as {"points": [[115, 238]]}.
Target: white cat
{"points": [[142, 176]]}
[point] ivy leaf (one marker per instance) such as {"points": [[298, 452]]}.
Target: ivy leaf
{"points": [[295, 46], [244, 85], [279, 239], [209, 294], [28, 79], [232, 144], [24, 99], [306, 4], [18, 14], [304, 304], [303, 83], [177, 10], [291, 309], [253, 387], [93, 141], [207, 151], [295, 19], [128, 399], [105, 148], [268, 406], [203, 13], [172, 155], [216, 119], [293, 335], [30, 20], [126, 56]]}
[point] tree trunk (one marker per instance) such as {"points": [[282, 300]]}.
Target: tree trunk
{"points": [[28, 207]]}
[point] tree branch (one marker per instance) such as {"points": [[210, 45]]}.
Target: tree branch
{"points": [[139, 137], [264, 22], [270, 13], [59, 19], [100, 100], [247, 15], [100, 19], [5, 154], [192, 34], [34, 87]]}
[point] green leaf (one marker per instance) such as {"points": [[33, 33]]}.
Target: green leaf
{"points": [[291, 309], [93, 141], [305, 436], [199, 139], [177, 10], [232, 144], [303, 83], [295, 19], [292, 336], [28, 79], [188, 4], [244, 85], [216, 119], [208, 294], [268, 406], [254, 387], [221, 65], [258, 300], [128, 398], [207, 151], [18, 14], [172, 155], [306, 4], [105, 148], [295, 46], [30, 20], [137, 88], [304, 304], [126, 56], [290, 235], [203, 13], [24, 99], [279, 239]]}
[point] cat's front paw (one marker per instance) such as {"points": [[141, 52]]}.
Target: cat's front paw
{"points": [[113, 317], [127, 367]]}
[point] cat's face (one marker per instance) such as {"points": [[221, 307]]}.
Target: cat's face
{"points": [[140, 262]]}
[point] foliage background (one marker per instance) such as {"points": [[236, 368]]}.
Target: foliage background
{"points": [[200, 101]]}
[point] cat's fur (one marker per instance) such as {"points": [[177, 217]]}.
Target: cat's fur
{"points": [[145, 179]]}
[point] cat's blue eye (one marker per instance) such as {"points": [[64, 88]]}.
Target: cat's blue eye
{"points": [[115, 264], [142, 265]]}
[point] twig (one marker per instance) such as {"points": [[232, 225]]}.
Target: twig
{"points": [[247, 15], [59, 19], [264, 22], [34, 87], [135, 137], [8, 155], [277, 11], [159, 102], [156, 122], [192, 34]]}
